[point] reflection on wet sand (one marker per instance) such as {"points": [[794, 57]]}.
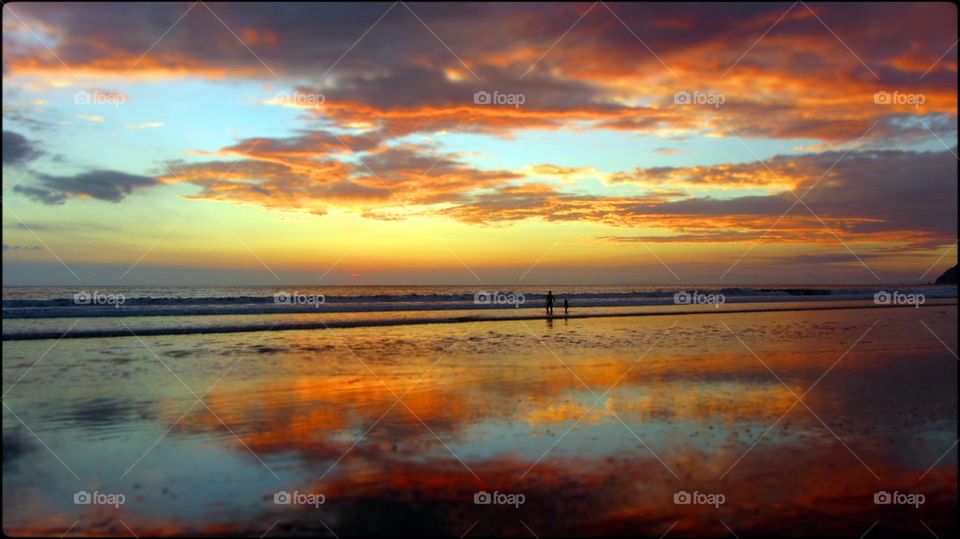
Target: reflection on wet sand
{"points": [[598, 424]]}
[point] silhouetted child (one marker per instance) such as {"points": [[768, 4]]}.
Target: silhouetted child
{"points": [[566, 307]]}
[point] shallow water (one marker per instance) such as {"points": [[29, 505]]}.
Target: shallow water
{"points": [[69, 312], [598, 423]]}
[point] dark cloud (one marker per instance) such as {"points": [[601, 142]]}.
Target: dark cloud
{"points": [[294, 38], [899, 196], [830, 258], [415, 86], [44, 196], [17, 149], [798, 82], [7, 247], [27, 118], [107, 185], [62, 227]]}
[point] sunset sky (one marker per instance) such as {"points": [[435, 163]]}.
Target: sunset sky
{"points": [[664, 144]]}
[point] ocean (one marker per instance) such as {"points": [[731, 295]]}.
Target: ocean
{"points": [[49, 312]]}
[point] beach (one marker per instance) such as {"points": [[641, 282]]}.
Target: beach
{"points": [[792, 421]]}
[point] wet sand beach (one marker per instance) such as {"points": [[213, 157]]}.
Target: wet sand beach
{"points": [[777, 422]]}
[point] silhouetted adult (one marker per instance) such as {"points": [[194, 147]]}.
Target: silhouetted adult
{"points": [[550, 301]]}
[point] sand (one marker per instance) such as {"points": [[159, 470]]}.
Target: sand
{"points": [[597, 423]]}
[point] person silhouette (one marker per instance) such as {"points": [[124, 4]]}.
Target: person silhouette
{"points": [[549, 302], [566, 307]]}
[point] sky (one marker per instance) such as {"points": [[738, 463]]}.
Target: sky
{"points": [[432, 143]]}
